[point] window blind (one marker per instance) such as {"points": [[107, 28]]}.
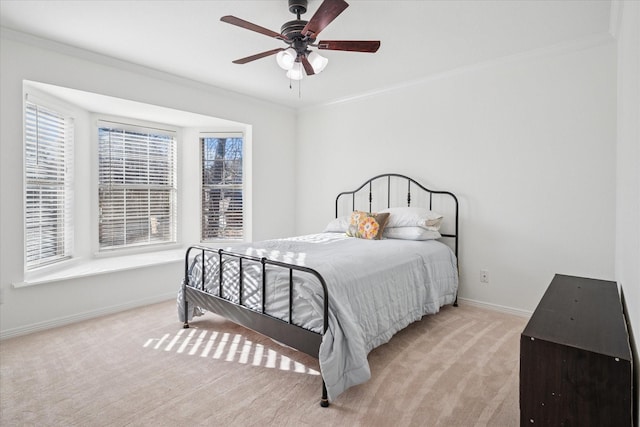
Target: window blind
{"points": [[48, 142], [222, 187], [137, 186]]}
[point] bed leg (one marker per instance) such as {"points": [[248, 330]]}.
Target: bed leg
{"points": [[324, 402], [186, 312]]}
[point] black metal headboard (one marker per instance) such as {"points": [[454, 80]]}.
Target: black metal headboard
{"points": [[388, 190]]}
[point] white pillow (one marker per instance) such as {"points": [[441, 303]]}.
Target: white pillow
{"points": [[338, 225], [410, 233], [414, 217]]}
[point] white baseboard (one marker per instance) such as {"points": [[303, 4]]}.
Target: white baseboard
{"points": [[67, 320], [495, 307]]}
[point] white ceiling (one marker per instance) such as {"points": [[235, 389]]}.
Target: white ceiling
{"points": [[419, 38]]}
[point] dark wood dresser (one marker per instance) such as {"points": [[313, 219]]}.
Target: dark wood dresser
{"points": [[575, 357]]}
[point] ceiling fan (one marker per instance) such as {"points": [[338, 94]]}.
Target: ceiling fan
{"points": [[300, 35]]}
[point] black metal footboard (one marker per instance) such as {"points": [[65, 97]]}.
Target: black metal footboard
{"points": [[284, 331]]}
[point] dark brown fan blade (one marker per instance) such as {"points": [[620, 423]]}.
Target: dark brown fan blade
{"points": [[257, 56], [327, 12], [249, 26], [307, 66], [370, 46]]}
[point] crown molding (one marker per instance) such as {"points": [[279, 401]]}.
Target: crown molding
{"points": [[563, 48], [548, 51], [110, 61]]}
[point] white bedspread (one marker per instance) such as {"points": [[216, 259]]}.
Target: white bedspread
{"points": [[376, 288]]}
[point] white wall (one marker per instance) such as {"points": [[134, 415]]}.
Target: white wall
{"points": [[26, 58], [527, 143], [628, 168]]}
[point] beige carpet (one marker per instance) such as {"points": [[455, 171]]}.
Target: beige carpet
{"points": [[140, 368]]}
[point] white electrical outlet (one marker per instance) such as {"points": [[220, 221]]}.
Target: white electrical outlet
{"points": [[484, 276]]}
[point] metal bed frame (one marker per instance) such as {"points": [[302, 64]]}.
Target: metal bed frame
{"points": [[285, 331]]}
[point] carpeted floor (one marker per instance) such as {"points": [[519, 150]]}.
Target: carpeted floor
{"points": [[140, 368]]}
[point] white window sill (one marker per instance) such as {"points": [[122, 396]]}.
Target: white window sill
{"points": [[94, 267]]}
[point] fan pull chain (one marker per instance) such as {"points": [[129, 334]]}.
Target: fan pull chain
{"points": [[299, 88]]}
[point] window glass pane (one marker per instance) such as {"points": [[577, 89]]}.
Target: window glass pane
{"points": [[137, 194], [222, 188], [48, 157]]}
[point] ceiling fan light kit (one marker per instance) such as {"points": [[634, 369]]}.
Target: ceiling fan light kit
{"points": [[317, 61], [286, 58], [296, 72], [297, 59]]}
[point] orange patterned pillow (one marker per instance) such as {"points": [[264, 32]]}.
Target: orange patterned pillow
{"points": [[366, 225]]}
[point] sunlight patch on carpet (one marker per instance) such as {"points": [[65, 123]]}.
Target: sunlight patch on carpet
{"points": [[229, 347]]}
